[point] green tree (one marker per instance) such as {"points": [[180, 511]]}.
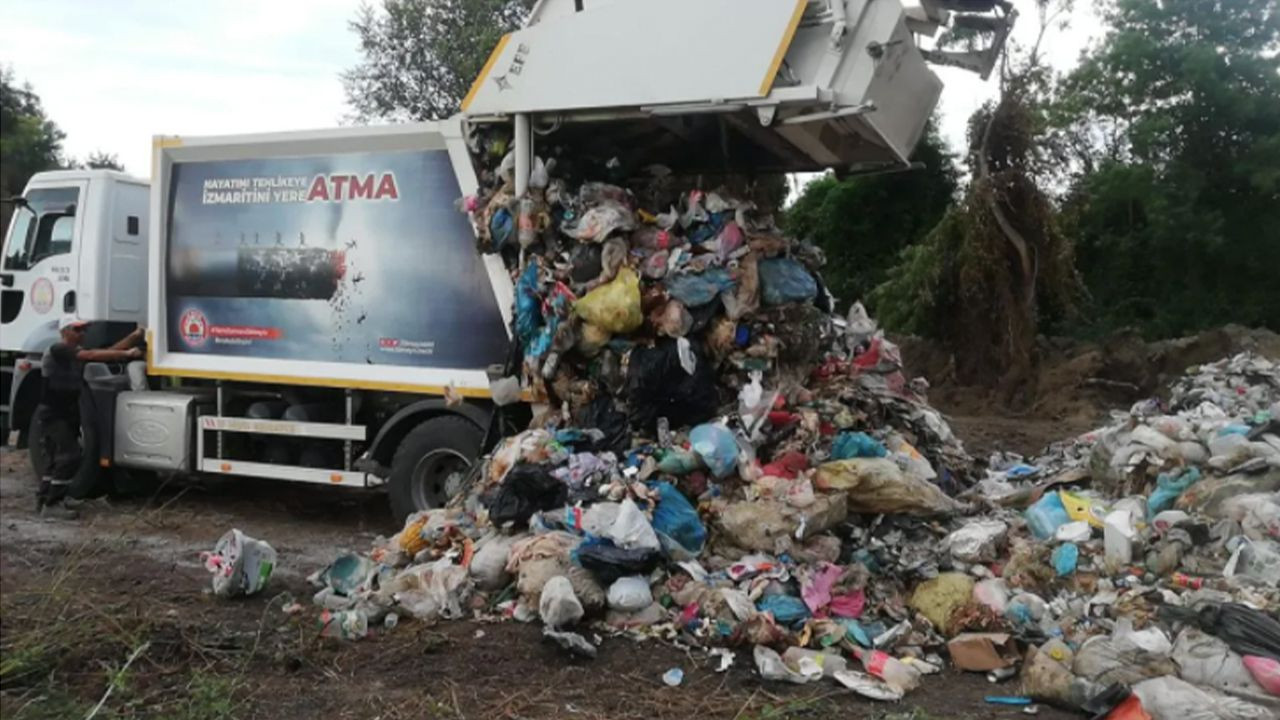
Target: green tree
{"points": [[998, 263], [99, 160], [420, 56], [863, 223], [29, 141], [1175, 118]]}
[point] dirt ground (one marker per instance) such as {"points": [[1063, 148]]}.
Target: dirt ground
{"points": [[80, 598]]}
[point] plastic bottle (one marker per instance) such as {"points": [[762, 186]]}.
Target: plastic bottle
{"points": [[888, 668]]}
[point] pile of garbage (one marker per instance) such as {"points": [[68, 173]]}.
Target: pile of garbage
{"points": [[717, 460]]}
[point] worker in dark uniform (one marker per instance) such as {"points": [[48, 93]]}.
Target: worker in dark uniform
{"points": [[63, 376]]}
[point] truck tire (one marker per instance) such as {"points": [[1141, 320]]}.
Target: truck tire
{"points": [[88, 480], [431, 462]]}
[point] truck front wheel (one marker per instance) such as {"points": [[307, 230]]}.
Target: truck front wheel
{"points": [[431, 463]]}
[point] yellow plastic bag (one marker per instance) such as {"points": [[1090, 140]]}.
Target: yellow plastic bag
{"points": [[614, 306], [1082, 508]]}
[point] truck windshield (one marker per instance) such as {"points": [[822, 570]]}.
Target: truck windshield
{"points": [[42, 229]]}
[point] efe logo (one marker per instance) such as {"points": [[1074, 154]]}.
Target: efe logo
{"points": [[194, 328]]}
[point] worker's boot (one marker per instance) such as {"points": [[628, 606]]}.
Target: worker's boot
{"points": [[58, 511]]}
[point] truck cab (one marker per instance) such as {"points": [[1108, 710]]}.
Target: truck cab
{"points": [[76, 245]]}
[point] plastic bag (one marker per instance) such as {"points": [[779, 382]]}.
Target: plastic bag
{"points": [[1065, 558], [786, 280], [488, 568], [608, 562], [526, 489], [676, 519], [1046, 515], [786, 609], [877, 485], [432, 591], [1107, 660], [696, 290], [631, 529], [855, 445], [240, 564], [992, 593], [630, 594], [1265, 672], [717, 447], [1168, 487], [558, 606], [1245, 630], [598, 222], [1206, 661], [614, 306], [1168, 698], [658, 386]]}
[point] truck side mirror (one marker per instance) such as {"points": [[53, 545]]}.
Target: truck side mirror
{"points": [[70, 211]]}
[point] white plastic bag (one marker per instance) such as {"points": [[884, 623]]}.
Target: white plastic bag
{"points": [[631, 530], [559, 607], [489, 565], [1168, 698], [434, 590], [240, 564], [630, 594], [1205, 660]]}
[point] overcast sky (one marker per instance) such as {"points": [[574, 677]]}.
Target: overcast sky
{"points": [[112, 74]]}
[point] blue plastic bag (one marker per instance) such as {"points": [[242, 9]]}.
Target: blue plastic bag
{"points": [[786, 609], [856, 445], [695, 290], [784, 280], [501, 227], [1046, 516], [1168, 487], [528, 305], [1065, 558], [675, 518], [716, 446]]}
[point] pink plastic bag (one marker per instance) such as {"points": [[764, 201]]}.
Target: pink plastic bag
{"points": [[1266, 671], [821, 596]]}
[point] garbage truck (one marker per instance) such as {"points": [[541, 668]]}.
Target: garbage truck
{"points": [[316, 307]]}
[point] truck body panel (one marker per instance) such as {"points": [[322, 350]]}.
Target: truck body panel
{"points": [[813, 84], [334, 258]]}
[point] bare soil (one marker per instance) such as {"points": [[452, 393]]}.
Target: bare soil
{"points": [[77, 598]]}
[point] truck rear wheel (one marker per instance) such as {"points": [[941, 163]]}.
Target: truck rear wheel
{"points": [[431, 463]]}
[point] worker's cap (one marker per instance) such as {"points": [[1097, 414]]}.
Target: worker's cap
{"points": [[71, 321]]}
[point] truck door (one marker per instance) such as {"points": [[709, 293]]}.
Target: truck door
{"points": [[39, 268]]}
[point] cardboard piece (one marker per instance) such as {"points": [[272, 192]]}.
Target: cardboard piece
{"points": [[982, 652]]}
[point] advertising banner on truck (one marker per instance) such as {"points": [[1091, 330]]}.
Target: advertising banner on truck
{"points": [[352, 258]]}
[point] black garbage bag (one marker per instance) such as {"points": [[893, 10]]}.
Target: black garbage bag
{"points": [[609, 562], [603, 416], [527, 489], [1243, 629], [658, 386]]}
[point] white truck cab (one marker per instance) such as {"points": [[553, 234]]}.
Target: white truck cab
{"points": [[76, 245]]}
